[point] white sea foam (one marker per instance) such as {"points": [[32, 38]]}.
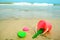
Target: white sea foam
{"points": [[30, 4], [42, 4], [22, 3]]}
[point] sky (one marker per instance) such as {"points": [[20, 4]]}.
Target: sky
{"points": [[34, 1]]}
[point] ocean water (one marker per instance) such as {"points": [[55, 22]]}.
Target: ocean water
{"points": [[17, 11]]}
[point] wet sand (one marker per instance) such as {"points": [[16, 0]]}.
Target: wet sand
{"points": [[10, 27]]}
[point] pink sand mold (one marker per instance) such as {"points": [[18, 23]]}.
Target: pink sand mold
{"points": [[25, 29]]}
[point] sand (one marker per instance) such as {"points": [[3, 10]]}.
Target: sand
{"points": [[10, 27]]}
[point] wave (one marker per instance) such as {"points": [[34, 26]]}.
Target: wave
{"points": [[29, 4]]}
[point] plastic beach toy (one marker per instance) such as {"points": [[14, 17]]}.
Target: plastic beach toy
{"points": [[25, 29], [42, 28], [38, 32], [44, 25], [21, 34]]}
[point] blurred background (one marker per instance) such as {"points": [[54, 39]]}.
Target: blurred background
{"points": [[15, 14], [29, 8]]}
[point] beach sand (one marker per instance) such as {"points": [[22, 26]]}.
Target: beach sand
{"points": [[10, 27]]}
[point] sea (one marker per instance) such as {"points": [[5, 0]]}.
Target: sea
{"points": [[18, 11]]}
